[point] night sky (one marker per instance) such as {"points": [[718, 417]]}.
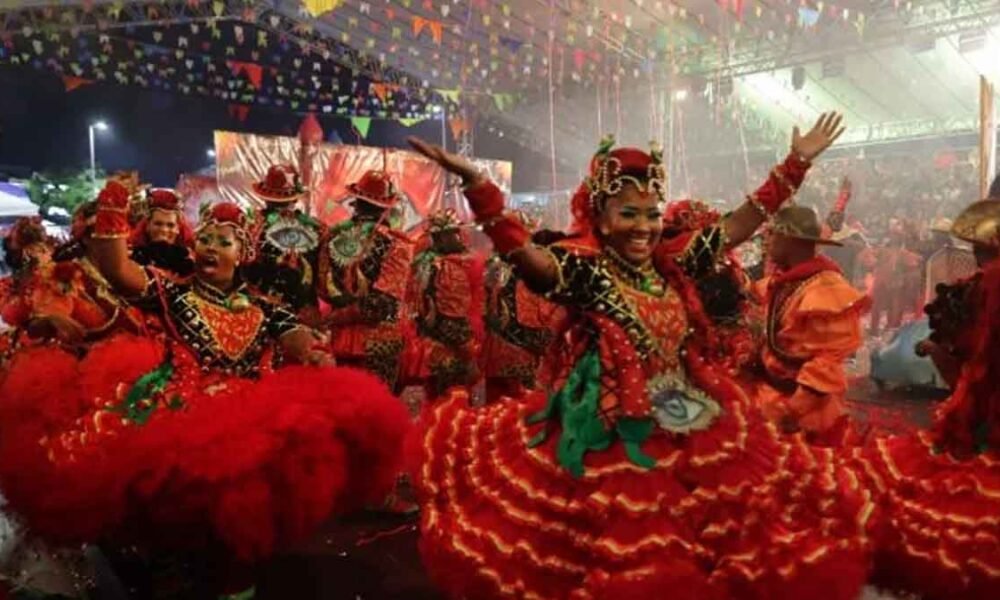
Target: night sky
{"points": [[160, 134]]}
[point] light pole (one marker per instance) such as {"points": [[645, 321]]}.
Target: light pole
{"points": [[98, 126]]}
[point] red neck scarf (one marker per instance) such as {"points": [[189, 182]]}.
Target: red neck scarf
{"points": [[803, 270]]}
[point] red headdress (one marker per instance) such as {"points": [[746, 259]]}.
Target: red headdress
{"points": [[609, 171], [281, 184], [443, 220], [167, 200], [228, 213], [25, 232], [375, 187]]}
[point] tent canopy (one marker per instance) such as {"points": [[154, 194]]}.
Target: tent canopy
{"points": [[14, 202]]}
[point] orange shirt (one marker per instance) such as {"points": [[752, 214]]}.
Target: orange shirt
{"points": [[813, 326]]}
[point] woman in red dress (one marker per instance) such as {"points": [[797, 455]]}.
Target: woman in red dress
{"points": [[190, 440], [646, 472]]}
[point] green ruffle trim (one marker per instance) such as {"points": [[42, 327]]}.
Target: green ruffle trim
{"points": [[141, 401], [577, 406]]}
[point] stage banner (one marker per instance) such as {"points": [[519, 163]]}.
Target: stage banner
{"points": [[987, 136], [194, 190], [243, 158]]}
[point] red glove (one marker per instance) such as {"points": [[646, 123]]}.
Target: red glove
{"points": [[112, 211], [781, 184], [507, 232]]}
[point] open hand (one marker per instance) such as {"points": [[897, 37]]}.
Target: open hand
{"points": [[449, 161], [826, 131]]}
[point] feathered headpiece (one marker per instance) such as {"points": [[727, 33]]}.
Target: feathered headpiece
{"points": [[443, 220]]}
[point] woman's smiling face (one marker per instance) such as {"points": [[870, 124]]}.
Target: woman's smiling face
{"points": [[631, 223]]}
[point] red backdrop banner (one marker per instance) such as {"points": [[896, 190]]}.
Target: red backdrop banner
{"points": [[243, 158]]}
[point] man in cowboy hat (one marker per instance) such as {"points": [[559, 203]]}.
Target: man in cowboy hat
{"points": [[955, 309], [287, 244], [813, 324], [949, 262], [447, 298], [364, 267]]}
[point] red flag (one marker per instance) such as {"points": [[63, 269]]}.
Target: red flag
{"points": [[71, 83], [239, 111], [253, 71]]}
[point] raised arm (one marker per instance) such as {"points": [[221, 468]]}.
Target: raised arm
{"points": [[108, 246], [511, 239], [784, 180]]}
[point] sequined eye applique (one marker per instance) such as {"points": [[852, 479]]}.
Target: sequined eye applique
{"points": [[346, 247], [290, 235], [679, 407]]}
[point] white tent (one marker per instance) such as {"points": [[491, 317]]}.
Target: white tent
{"points": [[14, 202]]}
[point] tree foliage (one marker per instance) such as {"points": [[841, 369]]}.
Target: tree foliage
{"points": [[62, 189]]}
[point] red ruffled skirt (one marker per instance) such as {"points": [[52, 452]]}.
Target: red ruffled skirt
{"points": [[251, 465], [732, 512], [942, 538]]}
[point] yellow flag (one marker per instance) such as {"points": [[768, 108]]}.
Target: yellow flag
{"points": [[317, 7]]}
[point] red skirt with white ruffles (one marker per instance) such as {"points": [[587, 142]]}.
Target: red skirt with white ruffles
{"points": [[732, 512], [248, 465], [942, 538]]}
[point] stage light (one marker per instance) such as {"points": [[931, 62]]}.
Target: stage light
{"points": [[210, 152]]}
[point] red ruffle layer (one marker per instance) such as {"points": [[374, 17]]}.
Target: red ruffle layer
{"points": [[259, 465], [942, 534], [733, 512]]}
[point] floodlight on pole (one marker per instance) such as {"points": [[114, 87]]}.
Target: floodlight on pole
{"points": [[96, 126]]}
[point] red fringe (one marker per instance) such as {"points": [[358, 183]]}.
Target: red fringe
{"points": [[258, 466]]}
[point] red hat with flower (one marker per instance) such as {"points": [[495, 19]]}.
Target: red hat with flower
{"points": [[281, 184], [228, 213], [25, 232], [163, 199], [375, 187], [610, 170]]}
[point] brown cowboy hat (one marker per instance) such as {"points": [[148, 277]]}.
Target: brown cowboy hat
{"points": [[800, 222], [979, 224]]}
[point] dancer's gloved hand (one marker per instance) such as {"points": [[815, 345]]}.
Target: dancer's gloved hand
{"points": [[506, 231], [112, 211]]}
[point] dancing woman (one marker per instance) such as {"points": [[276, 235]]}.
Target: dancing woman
{"points": [[192, 441], [646, 469]]}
